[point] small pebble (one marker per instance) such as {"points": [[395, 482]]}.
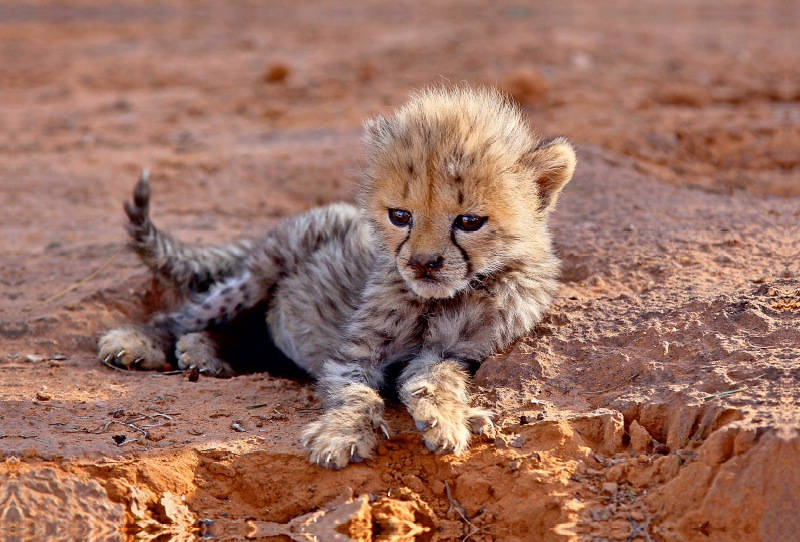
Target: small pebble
{"points": [[610, 487], [192, 374]]}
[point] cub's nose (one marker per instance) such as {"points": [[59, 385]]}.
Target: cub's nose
{"points": [[423, 264]]}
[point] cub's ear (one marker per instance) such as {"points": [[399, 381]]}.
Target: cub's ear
{"points": [[553, 163]]}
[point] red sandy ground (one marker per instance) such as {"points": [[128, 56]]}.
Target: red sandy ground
{"points": [[679, 235]]}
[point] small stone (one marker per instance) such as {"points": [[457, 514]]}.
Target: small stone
{"points": [[517, 442], [413, 483], [276, 73], [43, 395], [617, 472], [156, 434], [637, 515], [437, 487], [192, 374], [119, 439], [640, 438], [31, 452], [33, 357], [222, 469], [515, 465], [610, 487], [629, 227], [600, 514]]}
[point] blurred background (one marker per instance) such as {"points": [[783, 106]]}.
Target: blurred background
{"points": [[247, 111]]}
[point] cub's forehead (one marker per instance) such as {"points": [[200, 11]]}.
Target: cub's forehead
{"points": [[448, 171], [450, 147]]}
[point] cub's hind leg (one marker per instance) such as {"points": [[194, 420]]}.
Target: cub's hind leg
{"points": [[138, 346], [201, 350], [151, 346]]}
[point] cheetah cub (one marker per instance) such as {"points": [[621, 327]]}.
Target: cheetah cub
{"points": [[446, 259]]}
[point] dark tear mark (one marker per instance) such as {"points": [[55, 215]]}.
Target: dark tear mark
{"points": [[463, 252], [408, 236], [460, 196]]}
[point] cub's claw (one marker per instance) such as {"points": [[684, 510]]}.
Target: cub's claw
{"points": [[342, 436], [437, 399], [200, 351], [128, 347]]}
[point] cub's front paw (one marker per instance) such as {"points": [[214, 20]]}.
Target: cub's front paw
{"points": [[437, 400], [128, 347], [343, 435], [200, 351]]}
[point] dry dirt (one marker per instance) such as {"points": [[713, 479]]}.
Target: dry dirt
{"points": [[657, 402]]}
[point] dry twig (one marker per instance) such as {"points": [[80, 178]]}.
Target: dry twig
{"points": [[77, 285]]}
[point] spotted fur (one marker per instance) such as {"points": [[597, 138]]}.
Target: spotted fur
{"points": [[446, 260]]}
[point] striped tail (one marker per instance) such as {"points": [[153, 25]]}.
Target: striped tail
{"points": [[185, 267]]}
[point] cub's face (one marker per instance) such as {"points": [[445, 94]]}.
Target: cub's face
{"points": [[440, 245], [458, 189]]}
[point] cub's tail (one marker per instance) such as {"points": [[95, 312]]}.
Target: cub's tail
{"points": [[186, 268]]}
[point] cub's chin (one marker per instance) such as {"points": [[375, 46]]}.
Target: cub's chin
{"points": [[432, 288]]}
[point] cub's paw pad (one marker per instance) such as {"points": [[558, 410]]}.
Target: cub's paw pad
{"points": [[200, 351], [444, 419], [442, 422], [128, 347], [343, 436]]}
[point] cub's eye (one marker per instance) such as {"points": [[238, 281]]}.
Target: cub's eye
{"points": [[399, 217], [469, 223]]}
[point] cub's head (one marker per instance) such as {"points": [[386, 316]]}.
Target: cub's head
{"points": [[458, 188]]}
